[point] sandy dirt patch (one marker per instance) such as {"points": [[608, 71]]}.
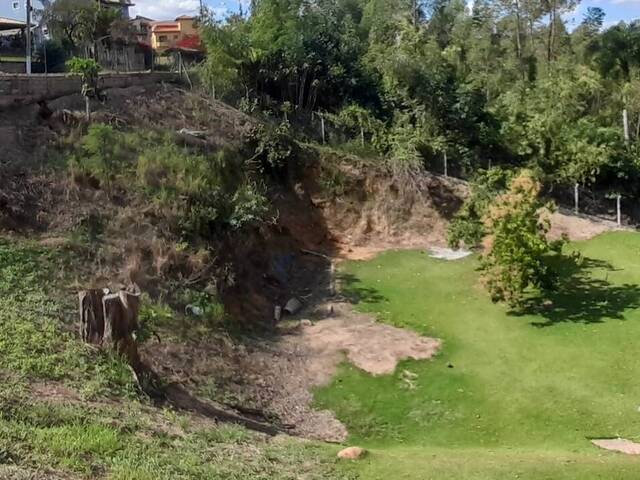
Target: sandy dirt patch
{"points": [[618, 445], [373, 347]]}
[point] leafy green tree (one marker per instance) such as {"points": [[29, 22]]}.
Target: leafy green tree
{"points": [[516, 247], [618, 51], [88, 70], [230, 62], [73, 21]]}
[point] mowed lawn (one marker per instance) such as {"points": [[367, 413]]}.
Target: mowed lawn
{"points": [[510, 396]]}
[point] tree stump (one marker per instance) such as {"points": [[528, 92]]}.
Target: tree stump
{"points": [[120, 322], [110, 320], [91, 316]]}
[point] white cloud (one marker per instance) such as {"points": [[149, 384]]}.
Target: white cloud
{"points": [[165, 9]]}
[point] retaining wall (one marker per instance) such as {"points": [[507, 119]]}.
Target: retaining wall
{"points": [[18, 90]]}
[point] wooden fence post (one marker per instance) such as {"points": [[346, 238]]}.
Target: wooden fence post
{"points": [[625, 124], [576, 197], [446, 167]]}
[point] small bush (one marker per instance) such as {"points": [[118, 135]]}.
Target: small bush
{"points": [[204, 305], [205, 193], [273, 147], [53, 55], [467, 226], [101, 153], [151, 317]]}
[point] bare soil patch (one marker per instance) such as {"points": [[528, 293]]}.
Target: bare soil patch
{"points": [[618, 445], [578, 227]]}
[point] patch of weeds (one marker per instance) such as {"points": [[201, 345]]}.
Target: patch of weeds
{"points": [[96, 442], [332, 180], [191, 314], [152, 317], [89, 231], [100, 154], [204, 306], [227, 433]]}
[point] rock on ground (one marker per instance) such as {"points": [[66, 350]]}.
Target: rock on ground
{"points": [[352, 453]]}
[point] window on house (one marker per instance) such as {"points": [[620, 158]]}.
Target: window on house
{"points": [[175, 37], [162, 38], [16, 5]]}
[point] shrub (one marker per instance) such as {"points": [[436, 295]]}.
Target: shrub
{"points": [[204, 193], [516, 245], [467, 226], [100, 154], [272, 147], [249, 206], [53, 55]]}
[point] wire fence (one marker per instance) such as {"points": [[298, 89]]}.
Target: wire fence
{"points": [[607, 205]]}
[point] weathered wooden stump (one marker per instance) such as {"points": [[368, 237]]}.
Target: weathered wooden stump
{"points": [[91, 316], [120, 322], [110, 320]]}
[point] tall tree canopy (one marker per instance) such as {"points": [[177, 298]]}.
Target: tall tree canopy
{"points": [[504, 82]]}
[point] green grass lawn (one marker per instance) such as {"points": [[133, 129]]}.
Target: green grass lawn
{"points": [[510, 396]]}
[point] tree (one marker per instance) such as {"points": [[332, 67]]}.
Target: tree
{"points": [[88, 70], [618, 51], [467, 226], [73, 21], [230, 61], [516, 247]]}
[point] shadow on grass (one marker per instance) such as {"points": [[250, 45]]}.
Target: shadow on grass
{"points": [[582, 294], [353, 290]]}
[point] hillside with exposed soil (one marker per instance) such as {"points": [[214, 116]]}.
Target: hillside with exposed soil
{"points": [[242, 316]]}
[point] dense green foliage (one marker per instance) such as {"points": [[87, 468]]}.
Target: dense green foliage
{"points": [[467, 225], [80, 25], [509, 396], [516, 246], [498, 83]]}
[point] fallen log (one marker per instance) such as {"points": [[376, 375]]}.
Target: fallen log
{"points": [[178, 397]]}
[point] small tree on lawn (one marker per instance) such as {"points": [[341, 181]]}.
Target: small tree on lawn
{"points": [[88, 70], [516, 246]]}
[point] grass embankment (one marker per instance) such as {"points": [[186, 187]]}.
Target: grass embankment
{"points": [[510, 396], [72, 412]]}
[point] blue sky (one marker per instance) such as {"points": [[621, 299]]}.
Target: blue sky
{"points": [[616, 10], [170, 9]]}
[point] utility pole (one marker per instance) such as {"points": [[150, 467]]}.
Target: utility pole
{"points": [[28, 37]]}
